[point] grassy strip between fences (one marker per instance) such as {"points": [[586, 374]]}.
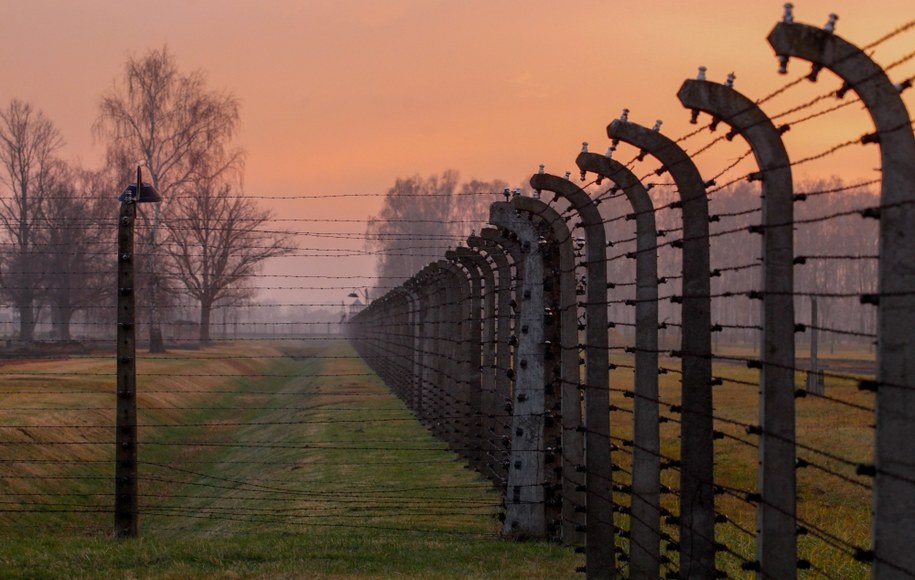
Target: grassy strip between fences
{"points": [[286, 467]]}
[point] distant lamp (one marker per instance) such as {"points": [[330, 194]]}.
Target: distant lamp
{"points": [[364, 296]]}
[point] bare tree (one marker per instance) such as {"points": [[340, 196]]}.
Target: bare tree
{"points": [[216, 242], [413, 227], [423, 217], [29, 143], [471, 205], [79, 257], [178, 128]]}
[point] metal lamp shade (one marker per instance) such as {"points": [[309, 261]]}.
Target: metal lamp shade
{"points": [[148, 194]]}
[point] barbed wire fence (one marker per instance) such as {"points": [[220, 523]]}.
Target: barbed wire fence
{"points": [[602, 374], [703, 480]]}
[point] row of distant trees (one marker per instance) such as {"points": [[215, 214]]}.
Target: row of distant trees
{"points": [[58, 220], [835, 245], [423, 217]]}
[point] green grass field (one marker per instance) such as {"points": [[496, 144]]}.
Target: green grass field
{"points": [[285, 468], [830, 494], [271, 459]]}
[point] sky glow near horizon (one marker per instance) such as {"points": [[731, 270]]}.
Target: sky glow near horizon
{"points": [[344, 96]]}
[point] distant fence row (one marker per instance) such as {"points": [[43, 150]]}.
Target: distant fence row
{"points": [[700, 458]]}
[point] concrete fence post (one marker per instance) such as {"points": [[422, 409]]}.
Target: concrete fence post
{"points": [[487, 404], [471, 354], [776, 544], [697, 504], [572, 478], [427, 357], [496, 386], [600, 545], [524, 495], [417, 318], [409, 337], [386, 340], [644, 525], [504, 243], [439, 383], [457, 377], [894, 490]]}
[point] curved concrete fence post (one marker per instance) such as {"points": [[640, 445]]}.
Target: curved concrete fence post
{"points": [[572, 479], [524, 495], [504, 244], [417, 315], [427, 356], [600, 554], [776, 544], [552, 428], [496, 331], [457, 338], [471, 349], [390, 340], [894, 491], [387, 340], [645, 523], [407, 333], [512, 246], [410, 344], [486, 405], [428, 278], [697, 503], [442, 363]]}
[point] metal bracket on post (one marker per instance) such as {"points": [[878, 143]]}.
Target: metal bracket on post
{"points": [[894, 493], [572, 480], [644, 525], [776, 545], [697, 513], [525, 497], [599, 549]]}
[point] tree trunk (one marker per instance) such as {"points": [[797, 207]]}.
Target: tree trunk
{"points": [[61, 313], [26, 321], [60, 320], [205, 310], [156, 344]]}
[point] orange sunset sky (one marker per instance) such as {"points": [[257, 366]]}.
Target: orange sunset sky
{"points": [[344, 96]]}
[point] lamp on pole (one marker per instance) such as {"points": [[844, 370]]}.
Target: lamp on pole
{"points": [[125, 488], [365, 294]]}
